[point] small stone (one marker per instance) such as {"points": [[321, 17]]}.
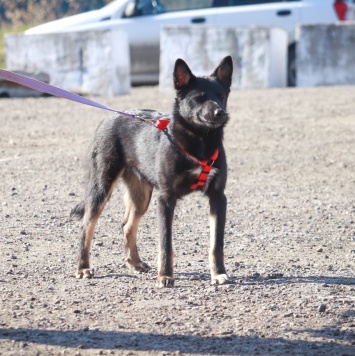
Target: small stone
{"points": [[275, 275], [322, 308]]}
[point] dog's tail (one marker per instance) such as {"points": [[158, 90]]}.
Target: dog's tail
{"points": [[78, 211]]}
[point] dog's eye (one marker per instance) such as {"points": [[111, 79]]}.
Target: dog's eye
{"points": [[219, 95], [201, 97]]}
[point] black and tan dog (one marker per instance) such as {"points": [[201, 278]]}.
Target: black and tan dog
{"points": [[187, 156]]}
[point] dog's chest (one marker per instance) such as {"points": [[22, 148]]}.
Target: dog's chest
{"points": [[186, 180], [194, 173]]}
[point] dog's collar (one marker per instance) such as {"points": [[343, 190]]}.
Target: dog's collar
{"points": [[206, 167]]}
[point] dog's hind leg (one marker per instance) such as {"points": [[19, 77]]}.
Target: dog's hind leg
{"points": [[103, 175], [93, 208], [137, 200]]}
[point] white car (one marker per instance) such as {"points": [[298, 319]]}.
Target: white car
{"points": [[142, 20]]}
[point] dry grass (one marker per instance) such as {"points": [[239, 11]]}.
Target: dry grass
{"points": [[4, 31]]}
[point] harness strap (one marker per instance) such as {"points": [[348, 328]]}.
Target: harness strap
{"points": [[206, 167]]}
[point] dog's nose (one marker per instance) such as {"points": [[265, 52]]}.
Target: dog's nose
{"points": [[219, 113]]}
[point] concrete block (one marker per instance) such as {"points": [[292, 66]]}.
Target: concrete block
{"points": [[259, 53], [90, 62], [325, 55]]}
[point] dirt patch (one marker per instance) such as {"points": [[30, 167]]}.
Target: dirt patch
{"points": [[290, 236]]}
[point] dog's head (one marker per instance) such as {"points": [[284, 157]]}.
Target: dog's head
{"points": [[202, 101]]}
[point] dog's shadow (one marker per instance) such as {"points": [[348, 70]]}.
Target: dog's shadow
{"points": [[280, 279], [236, 281], [117, 276]]}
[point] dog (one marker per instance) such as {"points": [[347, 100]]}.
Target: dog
{"points": [[188, 156]]}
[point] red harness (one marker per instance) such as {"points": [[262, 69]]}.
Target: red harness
{"points": [[206, 167]]}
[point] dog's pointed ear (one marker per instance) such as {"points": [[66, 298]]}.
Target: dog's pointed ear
{"points": [[182, 74], [224, 71]]}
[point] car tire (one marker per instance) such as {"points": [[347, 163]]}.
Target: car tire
{"points": [[291, 66]]}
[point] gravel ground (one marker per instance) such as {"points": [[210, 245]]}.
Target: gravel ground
{"points": [[290, 236]]}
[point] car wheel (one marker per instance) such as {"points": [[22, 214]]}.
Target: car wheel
{"points": [[291, 66]]}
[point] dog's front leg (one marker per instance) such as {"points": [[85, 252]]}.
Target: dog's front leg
{"points": [[165, 259], [218, 207]]}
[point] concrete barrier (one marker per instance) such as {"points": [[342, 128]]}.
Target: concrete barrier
{"points": [[84, 62], [259, 53], [325, 55]]}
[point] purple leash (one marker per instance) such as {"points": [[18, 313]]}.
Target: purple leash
{"points": [[161, 124]]}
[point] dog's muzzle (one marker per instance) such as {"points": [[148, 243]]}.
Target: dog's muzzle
{"points": [[219, 113], [219, 118], [213, 115]]}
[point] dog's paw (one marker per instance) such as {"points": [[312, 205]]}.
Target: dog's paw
{"points": [[138, 266], [165, 281], [85, 273], [220, 279]]}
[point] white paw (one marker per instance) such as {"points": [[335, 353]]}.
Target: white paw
{"points": [[85, 273], [220, 279]]}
